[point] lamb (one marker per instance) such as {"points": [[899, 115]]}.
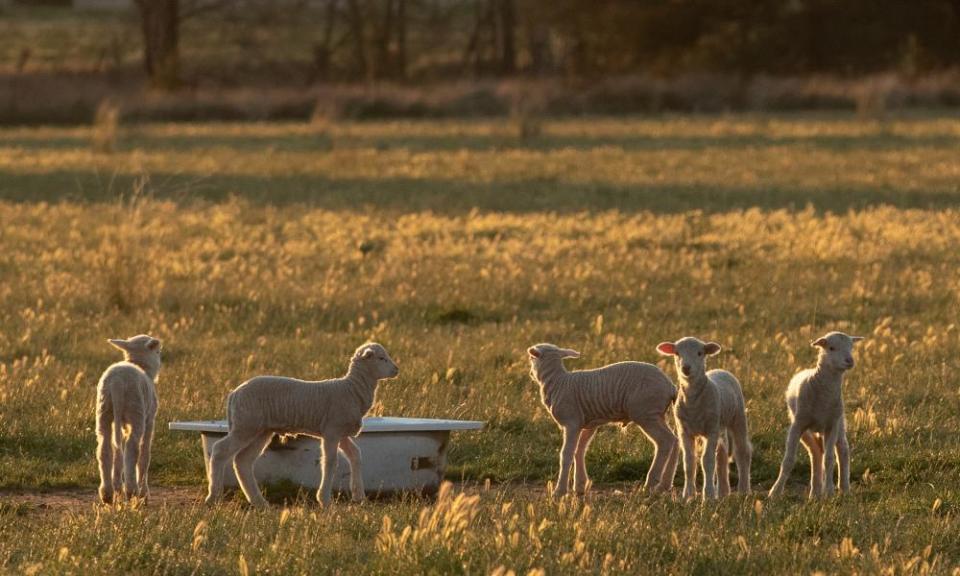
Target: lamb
{"points": [[331, 410], [581, 401], [711, 406], [126, 412], [815, 401]]}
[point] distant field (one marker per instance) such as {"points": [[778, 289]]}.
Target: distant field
{"points": [[255, 248]]}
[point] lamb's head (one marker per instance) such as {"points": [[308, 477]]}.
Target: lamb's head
{"points": [[374, 358], [689, 355], [142, 349], [547, 355], [836, 350]]}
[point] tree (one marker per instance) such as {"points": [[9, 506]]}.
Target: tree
{"points": [[160, 23]]}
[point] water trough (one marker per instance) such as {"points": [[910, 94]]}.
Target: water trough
{"points": [[399, 454]]}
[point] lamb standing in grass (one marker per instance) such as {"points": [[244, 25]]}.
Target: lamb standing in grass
{"points": [[331, 410], [581, 401], [710, 405], [126, 411], [815, 400]]}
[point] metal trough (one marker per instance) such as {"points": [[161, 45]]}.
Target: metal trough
{"points": [[399, 454]]}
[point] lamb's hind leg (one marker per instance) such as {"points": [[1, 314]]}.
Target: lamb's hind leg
{"points": [[105, 451], [223, 451], [352, 451], [329, 461], [843, 458], [665, 444], [580, 478], [723, 468], [743, 456], [143, 464], [243, 466], [131, 455]]}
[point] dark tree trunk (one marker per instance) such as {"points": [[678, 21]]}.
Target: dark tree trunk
{"points": [[357, 30], [160, 21], [402, 38], [507, 22]]}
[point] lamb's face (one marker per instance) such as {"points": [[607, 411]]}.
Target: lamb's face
{"points": [[376, 357], [689, 355], [141, 347], [836, 350], [544, 353]]}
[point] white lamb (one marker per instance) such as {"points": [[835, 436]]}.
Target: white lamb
{"points": [[815, 400], [126, 411], [581, 401], [331, 410], [711, 406]]}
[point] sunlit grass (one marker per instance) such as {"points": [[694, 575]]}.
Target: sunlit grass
{"points": [[237, 287]]}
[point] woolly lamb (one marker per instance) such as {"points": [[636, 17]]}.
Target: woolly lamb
{"points": [[331, 410], [815, 400], [710, 406], [581, 401], [126, 411]]}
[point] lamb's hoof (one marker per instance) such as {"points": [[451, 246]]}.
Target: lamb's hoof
{"points": [[106, 495], [559, 494], [211, 500]]}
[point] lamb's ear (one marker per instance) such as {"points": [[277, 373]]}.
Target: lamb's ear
{"points": [[569, 353], [856, 338], [119, 344], [711, 348], [153, 344], [368, 353], [819, 343], [533, 352], [667, 349]]}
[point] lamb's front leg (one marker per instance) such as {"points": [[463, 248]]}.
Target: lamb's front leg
{"points": [[352, 451], [570, 436], [830, 460], [329, 458], [709, 463], [580, 478], [689, 446]]}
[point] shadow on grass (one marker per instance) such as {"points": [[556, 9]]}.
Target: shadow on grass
{"points": [[454, 197]]}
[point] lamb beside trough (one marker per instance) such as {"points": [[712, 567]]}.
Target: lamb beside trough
{"points": [[580, 401], [711, 406], [126, 412], [331, 410], [815, 401]]}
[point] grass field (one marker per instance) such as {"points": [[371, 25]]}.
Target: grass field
{"points": [[279, 248]]}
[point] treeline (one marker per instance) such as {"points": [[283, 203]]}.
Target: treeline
{"points": [[411, 39]]}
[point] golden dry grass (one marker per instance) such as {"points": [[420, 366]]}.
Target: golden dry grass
{"points": [[457, 282]]}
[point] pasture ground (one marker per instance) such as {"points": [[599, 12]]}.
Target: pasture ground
{"points": [[278, 248]]}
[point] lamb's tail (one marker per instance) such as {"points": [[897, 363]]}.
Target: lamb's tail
{"points": [[230, 398], [117, 401]]}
